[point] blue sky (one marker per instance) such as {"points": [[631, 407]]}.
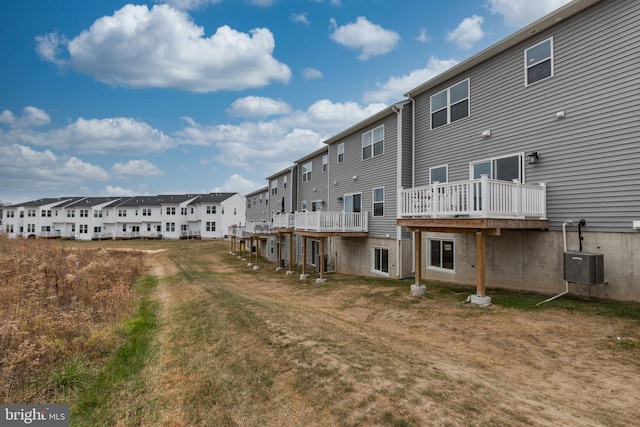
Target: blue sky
{"points": [[109, 98]]}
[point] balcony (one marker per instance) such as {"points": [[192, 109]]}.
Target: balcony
{"points": [[478, 198], [332, 222], [258, 228], [283, 221]]}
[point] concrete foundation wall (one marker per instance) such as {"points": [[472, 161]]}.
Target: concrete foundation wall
{"points": [[533, 260], [353, 256]]}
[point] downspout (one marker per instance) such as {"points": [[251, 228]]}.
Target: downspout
{"points": [[566, 282], [398, 110], [413, 172]]}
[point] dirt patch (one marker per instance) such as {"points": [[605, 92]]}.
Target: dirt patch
{"points": [[350, 354]]}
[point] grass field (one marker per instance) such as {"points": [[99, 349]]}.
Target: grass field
{"points": [[214, 343]]}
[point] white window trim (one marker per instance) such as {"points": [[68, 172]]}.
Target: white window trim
{"points": [[351, 195], [340, 149], [527, 66], [448, 106], [373, 202], [373, 259], [307, 168], [372, 144], [325, 163], [428, 260], [492, 159], [438, 167]]}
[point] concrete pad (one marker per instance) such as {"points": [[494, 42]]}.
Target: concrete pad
{"points": [[482, 301]]}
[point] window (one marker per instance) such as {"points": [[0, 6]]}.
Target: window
{"points": [[506, 168], [341, 152], [450, 104], [325, 163], [146, 211], [538, 62], [373, 143], [274, 187], [378, 201], [184, 228], [83, 229], [84, 213], [11, 214], [46, 213], [441, 254], [170, 226], [9, 228], [306, 171], [31, 228], [122, 212], [98, 213], [210, 226], [353, 203], [304, 206], [438, 174], [316, 205], [183, 211], [380, 260], [97, 229], [31, 213], [171, 210], [211, 210], [45, 228], [284, 182]]}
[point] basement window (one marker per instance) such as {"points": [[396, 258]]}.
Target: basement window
{"points": [[441, 254]]}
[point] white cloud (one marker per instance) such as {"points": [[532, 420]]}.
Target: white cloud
{"points": [[369, 38], [311, 74], [393, 89], [518, 13], [75, 167], [300, 17], [49, 47], [136, 168], [188, 4], [422, 36], [119, 191], [23, 168], [31, 117], [162, 47], [468, 32], [239, 184], [258, 106], [98, 136]]}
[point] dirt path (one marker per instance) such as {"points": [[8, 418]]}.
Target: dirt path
{"points": [[248, 348]]}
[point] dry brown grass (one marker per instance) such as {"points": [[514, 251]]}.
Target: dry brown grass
{"points": [[58, 304]]}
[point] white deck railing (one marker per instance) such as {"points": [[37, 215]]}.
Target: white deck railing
{"points": [[332, 221], [283, 221], [258, 227], [478, 198]]}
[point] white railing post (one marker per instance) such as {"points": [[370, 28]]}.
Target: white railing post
{"points": [[543, 200], [484, 195], [516, 208]]}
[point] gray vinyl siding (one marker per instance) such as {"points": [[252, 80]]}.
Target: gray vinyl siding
{"points": [[590, 160], [407, 154], [318, 181], [375, 172], [259, 211]]}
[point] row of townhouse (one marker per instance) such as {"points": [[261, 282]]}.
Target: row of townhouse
{"points": [[492, 173], [170, 216]]}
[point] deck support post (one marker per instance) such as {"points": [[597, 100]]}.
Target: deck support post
{"points": [[480, 267], [418, 255], [290, 251]]}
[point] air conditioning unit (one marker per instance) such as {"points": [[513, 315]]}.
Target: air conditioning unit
{"points": [[584, 267]]}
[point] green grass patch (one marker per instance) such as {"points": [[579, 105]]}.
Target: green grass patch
{"points": [[98, 404]]}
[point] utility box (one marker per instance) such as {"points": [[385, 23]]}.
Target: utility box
{"points": [[584, 267]]}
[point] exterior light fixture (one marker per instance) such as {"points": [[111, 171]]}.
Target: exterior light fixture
{"points": [[355, 177], [533, 157]]}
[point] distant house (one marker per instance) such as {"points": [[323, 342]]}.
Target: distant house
{"points": [[175, 216]]}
